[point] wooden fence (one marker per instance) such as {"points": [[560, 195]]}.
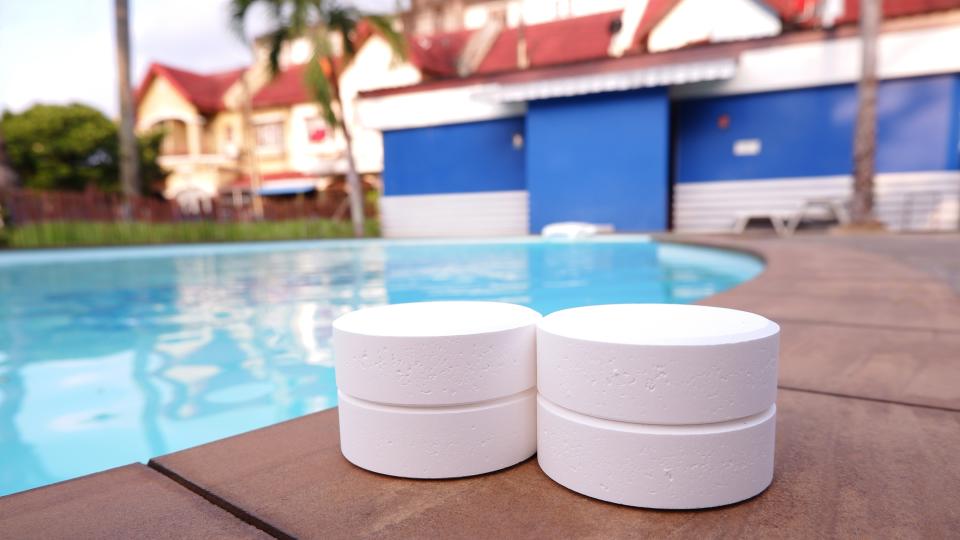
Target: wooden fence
{"points": [[24, 206]]}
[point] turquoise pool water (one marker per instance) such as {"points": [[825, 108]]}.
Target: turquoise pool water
{"points": [[109, 356]]}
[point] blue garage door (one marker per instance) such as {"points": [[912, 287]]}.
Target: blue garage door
{"points": [[455, 158], [601, 158]]}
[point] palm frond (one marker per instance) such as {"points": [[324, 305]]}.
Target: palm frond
{"points": [[238, 16], [321, 88], [343, 20], [277, 38]]}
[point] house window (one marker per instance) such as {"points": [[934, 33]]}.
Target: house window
{"points": [[269, 136]]}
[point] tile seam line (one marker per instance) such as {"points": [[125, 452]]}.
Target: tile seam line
{"points": [[865, 398], [454, 407], [889, 327], [220, 502]]}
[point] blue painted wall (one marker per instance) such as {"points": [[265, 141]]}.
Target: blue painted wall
{"points": [[809, 132], [456, 158], [599, 158]]}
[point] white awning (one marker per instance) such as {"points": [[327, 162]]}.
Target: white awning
{"points": [[647, 77], [287, 186]]}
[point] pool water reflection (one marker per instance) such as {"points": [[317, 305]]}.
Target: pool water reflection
{"points": [[110, 356]]}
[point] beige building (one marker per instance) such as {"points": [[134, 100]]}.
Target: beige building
{"points": [[295, 151]]}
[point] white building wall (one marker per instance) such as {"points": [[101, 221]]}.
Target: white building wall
{"points": [[904, 201], [905, 53], [492, 213], [373, 68], [713, 21]]}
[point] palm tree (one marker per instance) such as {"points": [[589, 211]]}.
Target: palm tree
{"points": [[129, 151], [865, 138], [326, 23]]}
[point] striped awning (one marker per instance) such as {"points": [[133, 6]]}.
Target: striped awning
{"points": [[646, 77]]}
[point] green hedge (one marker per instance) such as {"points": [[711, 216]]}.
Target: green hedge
{"points": [[70, 233]]}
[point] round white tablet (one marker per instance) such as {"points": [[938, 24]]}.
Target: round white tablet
{"points": [[438, 442], [436, 353], [654, 466], [658, 363]]}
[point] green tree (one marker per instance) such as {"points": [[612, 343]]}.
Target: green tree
{"points": [[69, 147], [326, 23]]}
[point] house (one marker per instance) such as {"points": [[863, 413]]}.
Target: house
{"points": [[668, 114], [295, 151]]}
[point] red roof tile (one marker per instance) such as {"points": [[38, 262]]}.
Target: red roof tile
{"points": [[437, 55], [205, 92], [798, 11], [557, 42], [655, 12], [287, 88]]}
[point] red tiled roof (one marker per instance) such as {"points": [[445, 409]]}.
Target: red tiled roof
{"points": [[287, 88], [437, 55], [795, 11], [655, 12], [205, 92], [899, 8], [553, 43]]}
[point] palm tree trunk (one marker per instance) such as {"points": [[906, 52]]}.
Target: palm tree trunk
{"points": [[129, 153], [865, 138], [354, 187], [250, 149]]}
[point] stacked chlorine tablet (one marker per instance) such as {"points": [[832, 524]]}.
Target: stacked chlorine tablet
{"points": [[658, 406], [437, 389]]}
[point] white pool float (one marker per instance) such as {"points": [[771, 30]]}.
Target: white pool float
{"points": [[437, 389], [574, 229], [658, 406]]}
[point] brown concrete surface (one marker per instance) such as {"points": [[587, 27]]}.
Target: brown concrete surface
{"points": [[858, 323], [844, 468], [867, 432], [127, 502]]}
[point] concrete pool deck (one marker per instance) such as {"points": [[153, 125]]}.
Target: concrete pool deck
{"points": [[867, 435]]}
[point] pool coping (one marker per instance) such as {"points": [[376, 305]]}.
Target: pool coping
{"points": [[870, 346]]}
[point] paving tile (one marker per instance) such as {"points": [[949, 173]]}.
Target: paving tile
{"points": [[127, 502], [844, 467], [910, 366], [807, 281]]}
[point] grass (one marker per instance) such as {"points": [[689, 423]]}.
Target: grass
{"points": [[74, 233]]}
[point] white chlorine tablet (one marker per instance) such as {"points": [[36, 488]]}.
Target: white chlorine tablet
{"points": [[437, 389], [658, 363], [438, 442], [436, 353], [654, 466]]}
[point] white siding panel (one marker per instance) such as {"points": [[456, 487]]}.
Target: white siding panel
{"points": [[441, 107], [496, 213], [904, 53], [904, 201]]}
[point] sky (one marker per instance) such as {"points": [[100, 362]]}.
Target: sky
{"points": [[61, 51]]}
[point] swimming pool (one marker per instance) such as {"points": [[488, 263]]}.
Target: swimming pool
{"points": [[115, 355]]}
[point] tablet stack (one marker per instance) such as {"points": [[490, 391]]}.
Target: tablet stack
{"points": [[437, 389], [658, 406]]}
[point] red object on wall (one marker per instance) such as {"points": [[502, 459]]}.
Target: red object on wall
{"points": [[316, 130]]}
